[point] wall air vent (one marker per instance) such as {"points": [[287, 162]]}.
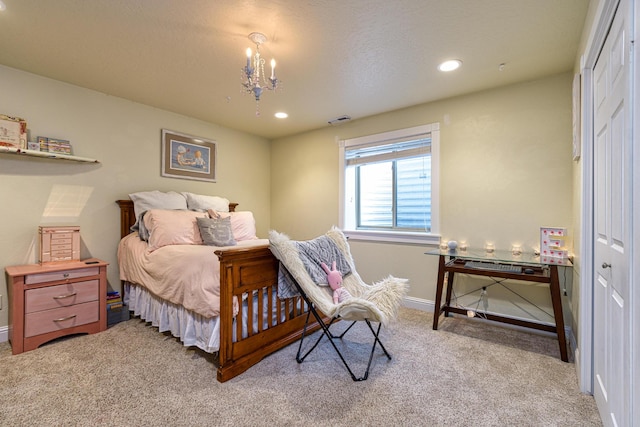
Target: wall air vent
{"points": [[339, 120]]}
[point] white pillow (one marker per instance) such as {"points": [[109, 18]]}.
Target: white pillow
{"points": [[173, 227], [199, 202], [243, 224], [146, 200]]}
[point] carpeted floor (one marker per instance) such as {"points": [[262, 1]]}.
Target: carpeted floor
{"points": [[464, 374]]}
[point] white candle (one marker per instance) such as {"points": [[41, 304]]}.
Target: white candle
{"points": [[273, 68], [248, 57]]}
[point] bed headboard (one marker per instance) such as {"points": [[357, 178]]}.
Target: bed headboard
{"points": [[128, 216]]}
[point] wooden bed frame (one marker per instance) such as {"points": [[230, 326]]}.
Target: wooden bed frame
{"points": [[252, 272]]}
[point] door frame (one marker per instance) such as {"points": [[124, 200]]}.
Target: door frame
{"points": [[584, 354], [634, 280]]}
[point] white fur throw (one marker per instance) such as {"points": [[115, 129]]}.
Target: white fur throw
{"points": [[378, 302]]}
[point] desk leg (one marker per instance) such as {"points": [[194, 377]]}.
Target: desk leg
{"points": [[556, 300], [437, 308], [447, 302]]}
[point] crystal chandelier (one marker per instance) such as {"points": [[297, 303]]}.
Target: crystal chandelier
{"points": [[254, 79]]}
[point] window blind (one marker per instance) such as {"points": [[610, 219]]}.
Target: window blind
{"points": [[388, 150]]}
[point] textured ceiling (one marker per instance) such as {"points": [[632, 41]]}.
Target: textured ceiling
{"points": [[353, 57]]}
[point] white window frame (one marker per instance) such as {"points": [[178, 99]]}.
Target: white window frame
{"points": [[416, 237]]}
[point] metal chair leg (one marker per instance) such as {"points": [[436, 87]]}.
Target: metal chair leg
{"points": [[331, 337]]}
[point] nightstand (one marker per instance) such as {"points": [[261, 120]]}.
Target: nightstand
{"points": [[48, 301]]}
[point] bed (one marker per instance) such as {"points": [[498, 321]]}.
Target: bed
{"points": [[251, 322]]}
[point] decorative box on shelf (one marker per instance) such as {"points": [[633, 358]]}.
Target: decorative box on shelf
{"points": [[13, 132], [59, 243]]}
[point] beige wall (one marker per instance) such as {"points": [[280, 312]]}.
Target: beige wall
{"points": [[506, 170], [125, 137]]}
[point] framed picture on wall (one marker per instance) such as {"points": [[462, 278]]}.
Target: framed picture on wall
{"points": [[576, 117], [188, 157]]}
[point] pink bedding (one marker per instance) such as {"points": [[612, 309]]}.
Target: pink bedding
{"points": [[186, 275]]}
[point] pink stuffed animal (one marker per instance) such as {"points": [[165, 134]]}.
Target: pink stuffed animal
{"points": [[334, 277]]}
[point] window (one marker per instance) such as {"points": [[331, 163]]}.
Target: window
{"points": [[389, 185]]}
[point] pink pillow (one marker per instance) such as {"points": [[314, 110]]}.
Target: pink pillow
{"points": [[243, 224], [173, 227]]}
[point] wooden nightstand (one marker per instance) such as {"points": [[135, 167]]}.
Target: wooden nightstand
{"points": [[49, 301]]}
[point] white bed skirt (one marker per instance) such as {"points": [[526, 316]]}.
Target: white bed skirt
{"points": [[191, 328]]}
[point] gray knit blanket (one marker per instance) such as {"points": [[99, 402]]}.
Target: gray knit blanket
{"points": [[313, 253]]}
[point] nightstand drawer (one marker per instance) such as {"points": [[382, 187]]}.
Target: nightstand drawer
{"points": [[60, 296], [57, 319], [53, 276]]}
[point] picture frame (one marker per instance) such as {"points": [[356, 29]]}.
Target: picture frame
{"points": [[188, 157], [13, 132], [577, 122]]}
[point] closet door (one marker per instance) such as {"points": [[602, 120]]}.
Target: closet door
{"points": [[612, 218]]}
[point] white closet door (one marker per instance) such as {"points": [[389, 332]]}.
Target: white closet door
{"points": [[612, 217]]}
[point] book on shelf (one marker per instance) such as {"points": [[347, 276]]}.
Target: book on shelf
{"points": [[115, 305]]}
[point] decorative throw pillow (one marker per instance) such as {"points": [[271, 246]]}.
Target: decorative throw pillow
{"points": [[172, 227], [216, 231]]}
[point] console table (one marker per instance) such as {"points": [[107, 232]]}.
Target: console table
{"points": [[533, 269]]}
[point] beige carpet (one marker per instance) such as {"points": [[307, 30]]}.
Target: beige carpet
{"points": [[465, 374]]}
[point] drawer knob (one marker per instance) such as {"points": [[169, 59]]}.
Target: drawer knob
{"points": [[65, 275], [62, 319], [73, 294]]}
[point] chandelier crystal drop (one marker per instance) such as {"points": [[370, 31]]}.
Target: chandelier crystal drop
{"points": [[254, 80]]}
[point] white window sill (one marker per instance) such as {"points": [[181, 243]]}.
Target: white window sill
{"points": [[393, 236]]}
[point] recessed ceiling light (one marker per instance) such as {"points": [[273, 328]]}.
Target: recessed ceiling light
{"points": [[450, 65], [281, 115]]}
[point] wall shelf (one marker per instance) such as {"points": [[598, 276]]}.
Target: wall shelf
{"points": [[45, 154]]}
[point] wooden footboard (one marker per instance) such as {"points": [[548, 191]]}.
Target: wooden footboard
{"points": [[252, 274]]}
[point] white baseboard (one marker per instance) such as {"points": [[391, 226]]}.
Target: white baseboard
{"points": [[418, 304], [4, 333]]}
